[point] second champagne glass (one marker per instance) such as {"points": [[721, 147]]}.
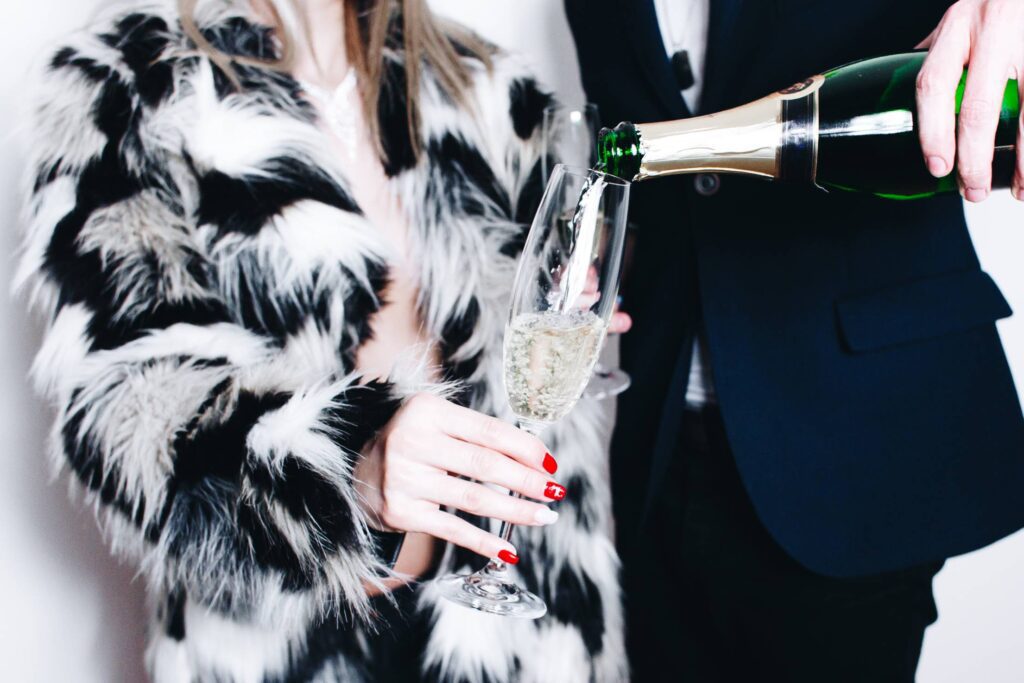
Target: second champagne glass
{"points": [[569, 136], [562, 300]]}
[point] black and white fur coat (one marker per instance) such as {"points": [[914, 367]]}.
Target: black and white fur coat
{"points": [[207, 280]]}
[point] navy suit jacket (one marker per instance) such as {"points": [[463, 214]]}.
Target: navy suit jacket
{"points": [[865, 393]]}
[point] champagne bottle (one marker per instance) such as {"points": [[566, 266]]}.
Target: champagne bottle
{"points": [[853, 128]]}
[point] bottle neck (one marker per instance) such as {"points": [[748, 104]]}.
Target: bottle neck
{"points": [[774, 137]]}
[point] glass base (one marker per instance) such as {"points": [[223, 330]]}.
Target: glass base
{"points": [[491, 590], [606, 383]]}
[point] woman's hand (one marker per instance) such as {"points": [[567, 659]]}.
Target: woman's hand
{"points": [[406, 474], [987, 36]]}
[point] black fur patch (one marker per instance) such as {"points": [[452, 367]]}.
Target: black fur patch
{"points": [[360, 306], [527, 204], [576, 601], [326, 641], [142, 39], [203, 496], [204, 451], [277, 315], [245, 204], [312, 501], [261, 541], [240, 38], [108, 332], [392, 117], [105, 180], [89, 463], [83, 277], [68, 57], [367, 408], [576, 491], [114, 110], [465, 172], [526, 106], [457, 331], [175, 615]]}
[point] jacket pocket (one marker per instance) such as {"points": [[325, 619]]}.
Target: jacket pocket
{"points": [[919, 310]]}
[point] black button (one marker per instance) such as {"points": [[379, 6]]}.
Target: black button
{"points": [[707, 184]]}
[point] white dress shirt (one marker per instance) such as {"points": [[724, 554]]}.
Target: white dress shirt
{"points": [[684, 26]]}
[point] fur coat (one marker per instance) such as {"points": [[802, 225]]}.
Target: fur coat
{"points": [[207, 280]]}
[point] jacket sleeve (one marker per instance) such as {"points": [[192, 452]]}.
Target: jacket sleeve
{"points": [[206, 459]]}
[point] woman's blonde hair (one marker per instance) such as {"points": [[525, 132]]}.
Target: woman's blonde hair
{"points": [[426, 40]]}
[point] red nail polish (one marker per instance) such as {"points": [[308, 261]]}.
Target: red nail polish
{"points": [[549, 463], [508, 557], [554, 491]]}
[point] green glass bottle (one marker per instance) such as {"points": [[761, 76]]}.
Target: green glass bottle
{"points": [[853, 128]]}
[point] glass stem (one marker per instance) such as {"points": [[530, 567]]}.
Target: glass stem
{"points": [[496, 566]]}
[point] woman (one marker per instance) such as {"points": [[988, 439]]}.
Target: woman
{"points": [[275, 244]]}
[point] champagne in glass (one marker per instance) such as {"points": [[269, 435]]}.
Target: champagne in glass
{"points": [[562, 300]]}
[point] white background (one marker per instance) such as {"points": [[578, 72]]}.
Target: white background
{"points": [[69, 613]]}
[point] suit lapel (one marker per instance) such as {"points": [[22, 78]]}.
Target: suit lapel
{"points": [[645, 38], [724, 53]]}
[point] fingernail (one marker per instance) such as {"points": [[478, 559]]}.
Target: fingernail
{"points": [[974, 194], [546, 516], [554, 491], [508, 556], [549, 464], [937, 166], [1015, 191]]}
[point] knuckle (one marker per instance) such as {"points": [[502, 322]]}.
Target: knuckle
{"points": [[537, 447], [392, 515], [532, 483], [999, 10], [927, 82], [972, 175], [970, 169], [396, 442], [445, 527], [526, 513], [976, 111], [470, 499], [415, 403], [482, 465], [480, 544], [490, 427]]}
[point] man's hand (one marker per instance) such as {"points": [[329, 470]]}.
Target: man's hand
{"points": [[987, 36]]}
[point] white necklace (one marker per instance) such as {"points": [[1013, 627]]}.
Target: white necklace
{"points": [[340, 110]]}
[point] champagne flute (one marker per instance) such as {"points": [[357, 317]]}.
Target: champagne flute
{"points": [[569, 136], [562, 300]]}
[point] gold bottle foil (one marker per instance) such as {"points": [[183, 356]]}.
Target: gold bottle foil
{"points": [[746, 140]]}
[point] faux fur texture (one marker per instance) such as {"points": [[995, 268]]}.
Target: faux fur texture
{"points": [[207, 279]]}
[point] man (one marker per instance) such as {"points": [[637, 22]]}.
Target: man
{"points": [[821, 410]]}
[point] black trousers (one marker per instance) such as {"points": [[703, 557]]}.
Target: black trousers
{"points": [[710, 596]]}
